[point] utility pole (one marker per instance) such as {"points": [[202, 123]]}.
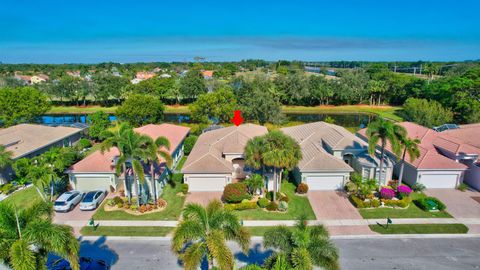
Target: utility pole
{"points": [[395, 69], [414, 71]]}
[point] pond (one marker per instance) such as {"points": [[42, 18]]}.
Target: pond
{"points": [[358, 120]]}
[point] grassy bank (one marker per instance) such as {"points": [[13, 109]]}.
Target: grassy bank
{"points": [[24, 198], [419, 228], [126, 231], [92, 109]]}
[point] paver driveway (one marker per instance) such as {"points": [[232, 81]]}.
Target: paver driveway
{"points": [[203, 197], [459, 204]]}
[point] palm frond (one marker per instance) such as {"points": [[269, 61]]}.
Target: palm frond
{"points": [[194, 255], [301, 259], [278, 237], [186, 231], [219, 250], [138, 168], [196, 212], [22, 257]]}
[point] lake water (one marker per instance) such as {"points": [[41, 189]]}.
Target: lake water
{"points": [[342, 119]]}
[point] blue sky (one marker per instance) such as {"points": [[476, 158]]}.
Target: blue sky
{"points": [[129, 31]]}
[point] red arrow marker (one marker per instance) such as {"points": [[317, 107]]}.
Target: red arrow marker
{"points": [[237, 118]]}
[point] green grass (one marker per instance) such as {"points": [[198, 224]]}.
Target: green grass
{"points": [[180, 163], [389, 112], [24, 198], [112, 109], [126, 231], [174, 208], [419, 228], [298, 205], [258, 231], [411, 212]]}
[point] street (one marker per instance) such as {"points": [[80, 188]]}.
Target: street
{"points": [[436, 253]]}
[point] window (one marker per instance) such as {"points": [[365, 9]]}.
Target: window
{"points": [[384, 174], [72, 197], [366, 173]]}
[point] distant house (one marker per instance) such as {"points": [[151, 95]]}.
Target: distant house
{"points": [[135, 81], [144, 75], [97, 171], [165, 75], [74, 73], [330, 153], [40, 78], [28, 140], [24, 78], [207, 74], [444, 160]]}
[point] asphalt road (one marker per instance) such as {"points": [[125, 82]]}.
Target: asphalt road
{"points": [[437, 254]]}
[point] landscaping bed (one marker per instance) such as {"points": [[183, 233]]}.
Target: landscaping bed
{"points": [[420, 228], [125, 231], [121, 204]]}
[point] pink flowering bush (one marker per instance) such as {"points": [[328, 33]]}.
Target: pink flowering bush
{"points": [[404, 191], [387, 193]]}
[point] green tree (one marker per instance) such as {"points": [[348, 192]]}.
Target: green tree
{"points": [[20, 105], [426, 113], [203, 233], [33, 227], [219, 104], [192, 84], [189, 143], [159, 149], [140, 109], [320, 89], [293, 88], [98, 122], [254, 182], [384, 131], [376, 90], [5, 157], [108, 86], [21, 167], [302, 247], [409, 146]]}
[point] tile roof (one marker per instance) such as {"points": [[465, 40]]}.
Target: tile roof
{"points": [[469, 134], [175, 134], [207, 154], [24, 139], [432, 143], [311, 138]]}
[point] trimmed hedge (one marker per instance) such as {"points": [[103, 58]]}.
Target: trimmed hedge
{"points": [[283, 206], [246, 205], [235, 192], [263, 202], [422, 203], [272, 206], [184, 188], [359, 203], [405, 202]]}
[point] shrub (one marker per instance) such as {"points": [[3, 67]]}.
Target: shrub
{"points": [[263, 202], [423, 203], [418, 187], [404, 191], [134, 200], [149, 207], [189, 143], [269, 195], [126, 206], [246, 205], [142, 208], [284, 198], [176, 177], [161, 203], [119, 205], [184, 188], [235, 192], [350, 187], [375, 203], [359, 203], [272, 206], [398, 203], [83, 143], [387, 193], [462, 187], [302, 188], [121, 192], [283, 206], [110, 202], [8, 188], [117, 200]]}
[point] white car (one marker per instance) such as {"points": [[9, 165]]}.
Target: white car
{"points": [[67, 201], [92, 200]]}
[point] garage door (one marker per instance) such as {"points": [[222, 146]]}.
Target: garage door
{"points": [[85, 184], [439, 180], [206, 183], [326, 182]]}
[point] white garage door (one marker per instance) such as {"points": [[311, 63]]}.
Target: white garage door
{"points": [[85, 184], [206, 183], [439, 180], [326, 182]]}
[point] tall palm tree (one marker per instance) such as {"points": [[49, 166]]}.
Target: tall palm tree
{"points": [[203, 232], [384, 131], [161, 148], [411, 147], [42, 177], [5, 157], [28, 236], [301, 247]]}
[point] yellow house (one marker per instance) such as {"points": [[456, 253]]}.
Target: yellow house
{"points": [[39, 78]]}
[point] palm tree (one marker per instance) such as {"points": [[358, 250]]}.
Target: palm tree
{"points": [[203, 232], [301, 247], [134, 148], [28, 236], [384, 131], [5, 157], [158, 148], [42, 177], [411, 147]]}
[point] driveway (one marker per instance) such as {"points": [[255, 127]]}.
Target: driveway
{"points": [[459, 204], [203, 197]]}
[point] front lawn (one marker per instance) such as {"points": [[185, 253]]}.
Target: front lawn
{"points": [[126, 231], [298, 205], [419, 228], [172, 212], [411, 212], [24, 198]]}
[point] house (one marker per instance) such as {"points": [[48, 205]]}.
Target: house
{"points": [[217, 158], [97, 171], [39, 78], [330, 153], [75, 73], [27, 80], [28, 140], [135, 81], [144, 75], [443, 159], [207, 74]]}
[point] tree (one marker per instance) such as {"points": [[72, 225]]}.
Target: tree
{"points": [[219, 105], [140, 109], [28, 236], [320, 89], [426, 113], [98, 122], [189, 143], [159, 148], [20, 105], [5, 157], [134, 148], [154, 86], [202, 234], [409, 146], [192, 84], [384, 131], [301, 247], [293, 88], [108, 86], [254, 182], [278, 151], [376, 90]]}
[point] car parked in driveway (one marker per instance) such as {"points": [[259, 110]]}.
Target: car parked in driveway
{"points": [[67, 201], [92, 200]]}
